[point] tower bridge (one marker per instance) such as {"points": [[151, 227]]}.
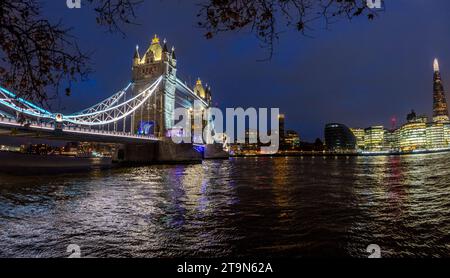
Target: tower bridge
{"points": [[138, 115]]}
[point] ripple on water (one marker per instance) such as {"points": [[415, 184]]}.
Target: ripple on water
{"points": [[242, 206]]}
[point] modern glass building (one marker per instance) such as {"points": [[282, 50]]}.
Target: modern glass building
{"points": [[374, 138], [436, 138], [339, 137], [359, 135], [292, 140], [413, 136], [391, 140], [447, 134]]}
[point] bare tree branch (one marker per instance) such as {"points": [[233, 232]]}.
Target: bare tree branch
{"points": [[114, 13], [268, 18], [37, 57]]}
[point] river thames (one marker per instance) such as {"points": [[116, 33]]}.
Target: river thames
{"points": [[265, 207]]}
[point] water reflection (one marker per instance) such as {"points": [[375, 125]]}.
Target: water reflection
{"points": [[240, 207]]}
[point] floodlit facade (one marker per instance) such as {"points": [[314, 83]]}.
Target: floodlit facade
{"points": [[374, 138], [391, 140], [359, 135], [413, 136], [292, 140], [156, 116], [447, 134], [436, 138], [417, 134]]}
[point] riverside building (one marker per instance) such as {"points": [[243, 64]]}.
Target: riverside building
{"points": [[417, 134]]}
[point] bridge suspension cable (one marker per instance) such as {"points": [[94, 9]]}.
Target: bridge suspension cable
{"points": [[112, 110], [21, 105], [107, 103], [114, 113], [3, 114]]}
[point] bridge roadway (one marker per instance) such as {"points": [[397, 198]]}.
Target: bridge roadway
{"points": [[136, 148], [10, 127]]}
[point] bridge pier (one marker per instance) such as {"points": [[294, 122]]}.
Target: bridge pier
{"points": [[215, 151], [158, 152]]}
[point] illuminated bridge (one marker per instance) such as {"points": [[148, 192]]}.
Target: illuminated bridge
{"points": [[141, 112], [111, 120]]}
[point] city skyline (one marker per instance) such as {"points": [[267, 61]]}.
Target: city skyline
{"points": [[439, 111], [305, 75], [205, 138], [418, 134]]}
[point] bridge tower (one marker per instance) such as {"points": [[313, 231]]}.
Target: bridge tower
{"points": [[156, 116]]}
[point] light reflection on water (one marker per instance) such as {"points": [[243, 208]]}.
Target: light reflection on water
{"points": [[240, 207]]}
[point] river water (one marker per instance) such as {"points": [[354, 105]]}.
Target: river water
{"points": [[265, 207]]}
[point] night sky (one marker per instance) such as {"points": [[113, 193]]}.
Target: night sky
{"points": [[359, 73]]}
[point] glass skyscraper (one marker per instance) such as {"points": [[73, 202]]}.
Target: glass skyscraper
{"points": [[440, 108]]}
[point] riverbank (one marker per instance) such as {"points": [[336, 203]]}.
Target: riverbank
{"points": [[24, 164]]}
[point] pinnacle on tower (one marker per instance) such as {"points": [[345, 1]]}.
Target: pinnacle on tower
{"points": [[165, 49], [136, 57], [155, 39], [173, 53], [199, 89], [155, 49], [136, 53], [436, 65]]}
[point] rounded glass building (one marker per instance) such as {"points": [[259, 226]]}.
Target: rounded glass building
{"points": [[339, 137]]}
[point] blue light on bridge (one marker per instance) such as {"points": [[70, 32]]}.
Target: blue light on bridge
{"points": [[200, 149], [5, 91], [146, 128]]}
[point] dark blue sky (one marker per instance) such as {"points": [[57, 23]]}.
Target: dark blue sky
{"points": [[359, 73]]}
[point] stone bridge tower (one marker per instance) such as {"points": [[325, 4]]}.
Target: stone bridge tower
{"points": [[156, 116]]}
